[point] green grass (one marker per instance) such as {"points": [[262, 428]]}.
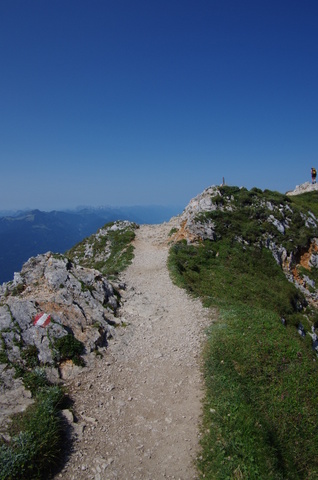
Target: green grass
{"points": [[37, 435], [308, 201], [121, 253], [262, 386], [221, 272], [260, 414], [37, 439], [243, 213], [112, 251], [30, 356]]}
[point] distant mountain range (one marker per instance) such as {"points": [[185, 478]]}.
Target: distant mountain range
{"points": [[26, 234]]}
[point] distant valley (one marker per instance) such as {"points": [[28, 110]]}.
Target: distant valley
{"points": [[26, 234]]}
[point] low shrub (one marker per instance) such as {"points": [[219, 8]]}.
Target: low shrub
{"points": [[69, 348], [34, 380], [30, 356], [35, 451]]}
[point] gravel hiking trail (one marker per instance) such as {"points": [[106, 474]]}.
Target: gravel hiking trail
{"points": [[138, 407]]}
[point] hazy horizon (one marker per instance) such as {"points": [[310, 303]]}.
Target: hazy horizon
{"points": [[80, 208], [131, 205]]}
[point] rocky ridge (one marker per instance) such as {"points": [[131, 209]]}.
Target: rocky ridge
{"points": [[80, 303]]}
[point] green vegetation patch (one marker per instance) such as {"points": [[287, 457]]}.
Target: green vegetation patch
{"points": [[221, 272], [30, 356], [18, 289], [173, 231], [308, 201], [121, 252], [252, 216], [260, 416], [69, 348], [36, 449], [111, 249]]}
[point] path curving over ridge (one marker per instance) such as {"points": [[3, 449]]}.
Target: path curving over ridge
{"points": [[140, 405]]}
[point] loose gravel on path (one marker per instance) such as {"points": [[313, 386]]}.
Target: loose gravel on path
{"points": [[139, 408]]}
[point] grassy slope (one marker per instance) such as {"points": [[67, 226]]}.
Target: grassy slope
{"points": [[116, 243], [260, 412], [308, 201]]}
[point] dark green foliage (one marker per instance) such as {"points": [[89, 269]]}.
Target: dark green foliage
{"points": [[227, 191], [34, 451], [30, 356], [3, 356], [276, 197], [307, 201], [173, 231], [244, 215], [69, 348], [36, 434], [34, 380], [18, 289]]}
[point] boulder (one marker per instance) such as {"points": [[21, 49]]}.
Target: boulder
{"points": [[78, 300]]}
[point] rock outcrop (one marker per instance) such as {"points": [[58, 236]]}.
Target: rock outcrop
{"points": [[79, 302], [303, 188], [191, 229], [58, 312]]}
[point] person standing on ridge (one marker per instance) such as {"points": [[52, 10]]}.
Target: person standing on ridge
{"points": [[313, 175]]}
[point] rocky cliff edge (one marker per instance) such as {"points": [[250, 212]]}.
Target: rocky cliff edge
{"points": [[78, 304]]}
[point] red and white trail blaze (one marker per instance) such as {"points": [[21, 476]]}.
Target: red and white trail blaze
{"points": [[42, 320]]}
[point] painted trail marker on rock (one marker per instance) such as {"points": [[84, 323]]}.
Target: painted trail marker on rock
{"points": [[42, 320]]}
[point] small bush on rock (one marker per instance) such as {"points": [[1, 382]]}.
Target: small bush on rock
{"points": [[69, 348]]}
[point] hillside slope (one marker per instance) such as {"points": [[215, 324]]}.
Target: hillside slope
{"points": [[283, 224], [253, 255]]}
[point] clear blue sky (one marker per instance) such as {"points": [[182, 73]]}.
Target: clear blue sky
{"points": [[127, 102]]}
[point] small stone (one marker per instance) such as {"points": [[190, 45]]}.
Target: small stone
{"points": [[68, 415]]}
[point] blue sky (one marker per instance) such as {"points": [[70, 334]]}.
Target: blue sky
{"points": [[149, 102]]}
